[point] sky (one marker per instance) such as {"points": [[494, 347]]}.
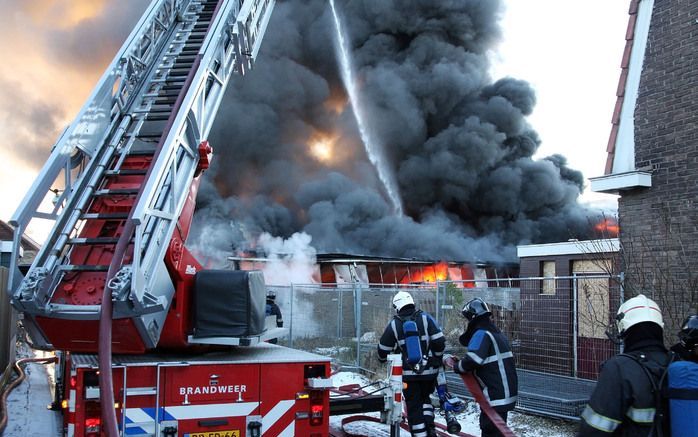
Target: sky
{"points": [[54, 51], [570, 52]]}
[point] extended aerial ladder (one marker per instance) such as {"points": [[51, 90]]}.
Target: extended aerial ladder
{"points": [[128, 170]]}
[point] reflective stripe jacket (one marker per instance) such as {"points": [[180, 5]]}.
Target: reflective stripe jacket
{"points": [[623, 402], [490, 357], [432, 341]]}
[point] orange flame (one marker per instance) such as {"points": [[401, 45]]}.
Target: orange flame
{"points": [[428, 274], [607, 227]]}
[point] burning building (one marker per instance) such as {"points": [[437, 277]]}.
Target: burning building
{"points": [[336, 269]]}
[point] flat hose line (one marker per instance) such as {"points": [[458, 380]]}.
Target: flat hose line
{"points": [[16, 366], [476, 391]]}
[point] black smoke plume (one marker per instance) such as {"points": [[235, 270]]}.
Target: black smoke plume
{"points": [[457, 140]]}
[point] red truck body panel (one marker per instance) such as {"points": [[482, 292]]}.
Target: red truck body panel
{"points": [[214, 394]]}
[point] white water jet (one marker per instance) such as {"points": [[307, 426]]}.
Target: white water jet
{"points": [[372, 147]]}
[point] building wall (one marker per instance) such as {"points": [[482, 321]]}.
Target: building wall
{"points": [[659, 231], [547, 320], [8, 329]]}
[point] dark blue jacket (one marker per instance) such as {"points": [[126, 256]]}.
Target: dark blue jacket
{"points": [[274, 310], [432, 342], [490, 358], [623, 402]]}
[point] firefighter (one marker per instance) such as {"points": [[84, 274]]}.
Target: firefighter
{"points": [[624, 401], [274, 310], [687, 347], [420, 379], [490, 357]]}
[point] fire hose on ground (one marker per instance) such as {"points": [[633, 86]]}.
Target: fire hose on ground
{"points": [[394, 398], [474, 388], [7, 389]]}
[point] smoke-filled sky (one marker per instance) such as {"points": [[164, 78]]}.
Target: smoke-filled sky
{"points": [[288, 155], [456, 140], [53, 52]]}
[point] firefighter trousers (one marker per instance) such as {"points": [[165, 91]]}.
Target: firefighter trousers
{"points": [[420, 411], [487, 427]]}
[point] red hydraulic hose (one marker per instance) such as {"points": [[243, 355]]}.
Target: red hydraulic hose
{"points": [[485, 406], [14, 384], [106, 383]]}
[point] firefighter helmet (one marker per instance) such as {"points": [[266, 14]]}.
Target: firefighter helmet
{"points": [[688, 335], [475, 308], [402, 299], [639, 309], [271, 295]]}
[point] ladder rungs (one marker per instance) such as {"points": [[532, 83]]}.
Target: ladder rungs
{"points": [[97, 240], [181, 72], [185, 58], [84, 268], [157, 117], [145, 137], [142, 152], [155, 109], [183, 65], [166, 101], [116, 192], [125, 172], [105, 216]]}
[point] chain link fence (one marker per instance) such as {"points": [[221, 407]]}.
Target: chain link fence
{"points": [[556, 327]]}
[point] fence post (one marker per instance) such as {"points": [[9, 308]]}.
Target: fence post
{"points": [[290, 327], [340, 315], [357, 311], [438, 307], [621, 280], [575, 324]]}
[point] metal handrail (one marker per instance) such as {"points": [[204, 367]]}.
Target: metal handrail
{"points": [[224, 51]]}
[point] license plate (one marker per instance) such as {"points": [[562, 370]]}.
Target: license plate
{"points": [[226, 433]]}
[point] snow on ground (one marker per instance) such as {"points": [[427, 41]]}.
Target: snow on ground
{"points": [[330, 351], [523, 425], [345, 378], [27, 410]]}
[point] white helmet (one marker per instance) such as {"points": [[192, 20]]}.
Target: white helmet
{"points": [[637, 310], [401, 299]]}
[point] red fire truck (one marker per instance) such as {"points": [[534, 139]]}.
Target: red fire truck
{"points": [[251, 391], [151, 344]]}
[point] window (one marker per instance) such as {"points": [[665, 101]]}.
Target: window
{"points": [[593, 298], [548, 271]]}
